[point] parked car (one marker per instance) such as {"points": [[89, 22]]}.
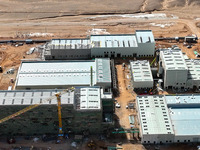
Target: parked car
{"points": [[117, 105]]}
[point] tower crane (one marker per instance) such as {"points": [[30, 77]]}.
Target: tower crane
{"points": [[59, 114], [57, 95]]}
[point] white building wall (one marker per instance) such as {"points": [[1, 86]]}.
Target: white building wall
{"points": [[146, 49], [143, 50], [142, 84], [158, 138], [175, 78], [191, 83], [123, 51], [186, 138]]}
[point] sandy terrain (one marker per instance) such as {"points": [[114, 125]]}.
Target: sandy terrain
{"points": [[71, 19]]}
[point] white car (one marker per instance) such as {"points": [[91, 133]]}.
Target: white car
{"points": [[117, 105]]}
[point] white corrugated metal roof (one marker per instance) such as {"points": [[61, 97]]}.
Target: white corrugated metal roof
{"points": [[70, 44], [173, 59], [193, 69], [145, 36], [61, 73], [141, 71], [109, 41], [154, 115], [29, 97]]}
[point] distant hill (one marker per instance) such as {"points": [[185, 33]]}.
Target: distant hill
{"points": [[74, 7]]}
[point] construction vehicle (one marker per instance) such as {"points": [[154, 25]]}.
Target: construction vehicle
{"points": [[1, 69], [58, 96], [92, 145]]}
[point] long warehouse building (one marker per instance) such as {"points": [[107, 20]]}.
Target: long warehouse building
{"points": [[169, 119], [140, 44], [64, 74], [177, 71], [141, 74], [82, 112]]}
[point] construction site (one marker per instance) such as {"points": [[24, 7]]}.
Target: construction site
{"points": [[92, 80]]}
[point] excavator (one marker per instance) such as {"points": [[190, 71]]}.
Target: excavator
{"points": [[58, 96]]}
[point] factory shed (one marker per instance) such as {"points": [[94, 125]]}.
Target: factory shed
{"points": [[193, 80], [175, 69], [141, 74], [62, 49], [180, 113], [63, 74], [123, 45], [140, 44], [154, 120], [184, 113], [82, 111]]}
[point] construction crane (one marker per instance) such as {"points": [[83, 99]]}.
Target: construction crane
{"points": [[57, 95], [59, 115]]}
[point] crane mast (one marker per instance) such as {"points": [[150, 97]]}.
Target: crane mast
{"points": [[59, 114]]}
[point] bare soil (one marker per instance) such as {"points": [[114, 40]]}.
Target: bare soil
{"points": [[73, 19]]}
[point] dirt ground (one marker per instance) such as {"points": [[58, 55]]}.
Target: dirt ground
{"points": [[10, 58], [78, 19]]}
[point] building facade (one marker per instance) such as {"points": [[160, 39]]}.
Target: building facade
{"points": [[64, 49], [141, 74], [64, 74], [82, 112], [177, 71], [169, 118], [140, 44]]}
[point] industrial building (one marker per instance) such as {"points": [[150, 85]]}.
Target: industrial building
{"points": [[141, 74], [82, 111], [63, 49], [169, 119], [140, 44], [193, 80], [63, 74], [177, 71]]}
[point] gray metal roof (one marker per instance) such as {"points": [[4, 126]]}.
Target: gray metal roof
{"points": [[29, 97], [141, 71], [144, 36], [70, 44], [173, 59], [182, 113], [109, 41], [154, 116], [103, 72], [193, 69], [44, 73], [193, 99], [186, 121]]}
